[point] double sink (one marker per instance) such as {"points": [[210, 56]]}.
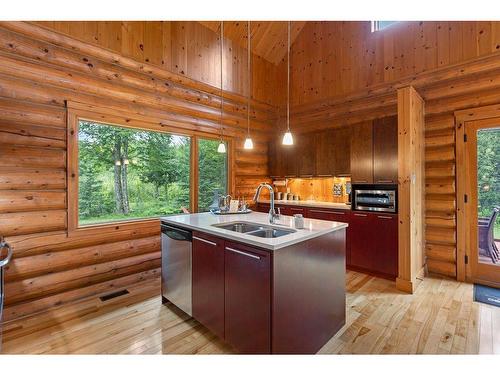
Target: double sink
{"points": [[257, 230]]}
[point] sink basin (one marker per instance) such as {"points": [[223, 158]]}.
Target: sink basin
{"points": [[271, 232], [257, 230], [240, 227]]}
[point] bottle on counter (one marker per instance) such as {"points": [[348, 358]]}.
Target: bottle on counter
{"points": [[298, 221]]}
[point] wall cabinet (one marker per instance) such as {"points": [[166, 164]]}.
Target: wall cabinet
{"points": [[362, 153], [208, 282], [333, 152], [247, 298], [306, 155], [367, 151], [385, 150], [275, 157], [374, 151]]}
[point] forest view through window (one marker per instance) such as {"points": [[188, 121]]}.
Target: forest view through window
{"points": [[127, 174], [212, 174]]}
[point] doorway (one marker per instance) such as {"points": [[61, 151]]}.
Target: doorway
{"points": [[482, 200]]}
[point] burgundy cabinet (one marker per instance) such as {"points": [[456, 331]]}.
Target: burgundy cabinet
{"points": [[247, 298], [297, 210], [263, 207], [385, 245], [385, 150], [320, 214], [208, 282], [342, 216], [361, 240]]}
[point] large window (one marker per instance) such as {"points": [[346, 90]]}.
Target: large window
{"points": [[127, 174], [212, 174]]}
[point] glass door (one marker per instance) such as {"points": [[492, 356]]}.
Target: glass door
{"points": [[483, 196]]}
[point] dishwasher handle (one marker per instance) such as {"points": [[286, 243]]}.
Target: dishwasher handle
{"points": [[175, 233]]}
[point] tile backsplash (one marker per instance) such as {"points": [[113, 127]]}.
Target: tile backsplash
{"points": [[330, 189]]}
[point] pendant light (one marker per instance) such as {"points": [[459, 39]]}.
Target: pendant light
{"points": [[222, 146], [248, 145], [287, 137]]}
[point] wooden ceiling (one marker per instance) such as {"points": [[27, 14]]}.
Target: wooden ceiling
{"points": [[269, 38]]}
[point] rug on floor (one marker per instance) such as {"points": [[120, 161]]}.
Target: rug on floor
{"points": [[486, 294]]}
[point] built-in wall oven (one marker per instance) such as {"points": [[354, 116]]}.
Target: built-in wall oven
{"points": [[375, 197]]}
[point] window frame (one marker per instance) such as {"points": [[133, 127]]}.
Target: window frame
{"points": [[132, 120]]}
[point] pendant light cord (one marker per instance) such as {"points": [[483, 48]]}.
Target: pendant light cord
{"points": [[249, 78], [221, 89], [288, 82]]}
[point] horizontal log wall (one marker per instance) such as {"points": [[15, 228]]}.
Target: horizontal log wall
{"points": [[37, 76], [187, 48]]}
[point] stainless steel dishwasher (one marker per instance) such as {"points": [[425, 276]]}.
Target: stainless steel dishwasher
{"points": [[176, 258]]}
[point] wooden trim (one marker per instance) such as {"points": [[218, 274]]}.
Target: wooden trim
{"points": [[411, 192], [467, 237], [193, 178], [77, 111], [462, 117]]}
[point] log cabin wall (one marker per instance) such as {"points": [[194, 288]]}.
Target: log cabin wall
{"points": [[338, 58], [187, 48], [344, 74], [39, 71]]}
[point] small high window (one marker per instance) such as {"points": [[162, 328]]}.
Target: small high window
{"points": [[381, 25]]}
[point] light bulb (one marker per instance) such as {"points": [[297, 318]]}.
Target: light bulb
{"points": [[222, 148], [248, 145], [287, 138]]}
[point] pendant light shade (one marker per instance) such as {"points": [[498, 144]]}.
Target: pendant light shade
{"points": [[248, 145], [222, 146], [287, 137]]}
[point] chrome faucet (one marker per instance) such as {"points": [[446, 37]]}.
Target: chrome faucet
{"points": [[273, 216]]}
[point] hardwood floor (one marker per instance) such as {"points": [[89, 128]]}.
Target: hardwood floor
{"points": [[439, 318]]}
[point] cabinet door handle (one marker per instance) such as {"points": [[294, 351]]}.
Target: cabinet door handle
{"points": [[306, 175], [290, 175], [359, 181], [324, 175], [384, 217], [203, 240], [242, 253], [362, 215], [320, 212], [338, 213], [385, 181]]}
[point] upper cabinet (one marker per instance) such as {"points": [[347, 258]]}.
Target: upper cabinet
{"points": [[374, 151], [341, 149], [306, 155], [362, 153], [385, 150], [333, 152], [367, 151]]}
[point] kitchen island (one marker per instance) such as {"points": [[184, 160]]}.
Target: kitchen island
{"points": [[272, 290]]}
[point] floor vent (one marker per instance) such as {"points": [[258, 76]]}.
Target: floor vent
{"points": [[109, 296]]}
